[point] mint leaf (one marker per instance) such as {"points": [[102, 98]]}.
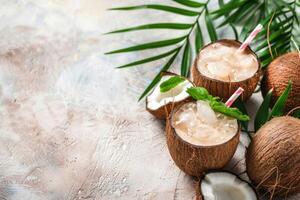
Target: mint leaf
{"points": [[171, 83], [231, 112], [200, 93]]}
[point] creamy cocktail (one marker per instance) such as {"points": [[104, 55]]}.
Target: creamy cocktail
{"points": [[198, 124], [222, 67], [226, 62]]}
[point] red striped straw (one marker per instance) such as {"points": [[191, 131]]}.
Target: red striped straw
{"points": [[249, 39], [233, 97]]}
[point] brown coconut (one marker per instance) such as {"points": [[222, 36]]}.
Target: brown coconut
{"points": [[195, 159], [224, 89], [273, 157], [163, 111], [282, 70]]}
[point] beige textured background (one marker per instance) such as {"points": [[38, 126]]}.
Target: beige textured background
{"points": [[71, 127]]}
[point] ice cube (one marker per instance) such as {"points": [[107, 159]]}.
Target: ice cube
{"points": [[220, 69], [205, 113], [243, 74], [186, 117]]}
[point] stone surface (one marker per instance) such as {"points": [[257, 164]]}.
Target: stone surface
{"points": [[71, 126]]}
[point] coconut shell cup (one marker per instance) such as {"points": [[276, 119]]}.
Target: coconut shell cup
{"points": [[195, 159], [277, 75], [164, 111], [273, 157], [224, 89]]}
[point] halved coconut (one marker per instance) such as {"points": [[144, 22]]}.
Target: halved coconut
{"points": [[221, 88], [196, 158], [225, 186], [160, 104]]}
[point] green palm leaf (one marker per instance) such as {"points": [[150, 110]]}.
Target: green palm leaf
{"points": [[231, 5], [198, 39], [177, 26], [210, 27], [189, 3], [241, 106], [247, 13], [150, 45], [170, 9], [186, 60], [150, 59], [262, 115], [278, 108]]}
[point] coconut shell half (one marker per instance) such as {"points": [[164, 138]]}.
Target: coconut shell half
{"points": [[224, 89], [273, 157], [282, 70], [165, 108], [195, 159]]}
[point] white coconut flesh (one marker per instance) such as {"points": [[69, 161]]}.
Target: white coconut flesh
{"points": [[225, 186], [158, 99]]}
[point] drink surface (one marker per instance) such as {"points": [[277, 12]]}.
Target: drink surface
{"points": [[198, 124], [224, 62]]}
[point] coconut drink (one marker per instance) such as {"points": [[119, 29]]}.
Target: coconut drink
{"points": [[222, 67], [200, 138]]}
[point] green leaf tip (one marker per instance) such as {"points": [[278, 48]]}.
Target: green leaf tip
{"points": [[262, 115], [278, 108], [171, 83], [200, 93]]}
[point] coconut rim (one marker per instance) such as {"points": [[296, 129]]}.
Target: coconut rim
{"points": [[170, 118], [166, 73], [235, 42], [226, 171]]}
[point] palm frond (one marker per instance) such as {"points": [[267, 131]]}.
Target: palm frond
{"points": [[210, 27], [233, 13], [150, 59], [279, 40], [193, 4], [198, 39], [186, 59], [170, 9], [151, 45], [177, 26]]}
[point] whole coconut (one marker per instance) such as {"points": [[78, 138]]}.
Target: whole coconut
{"points": [[273, 157], [277, 76]]}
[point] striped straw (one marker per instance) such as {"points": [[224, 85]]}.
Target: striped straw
{"points": [[233, 97], [249, 39]]}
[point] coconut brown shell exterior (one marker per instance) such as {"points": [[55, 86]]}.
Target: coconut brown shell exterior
{"points": [[277, 76], [164, 111], [225, 89], [195, 160], [274, 154]]}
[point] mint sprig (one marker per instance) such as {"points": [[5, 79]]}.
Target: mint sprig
{"points": [[200, 93], [171, 83]]}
